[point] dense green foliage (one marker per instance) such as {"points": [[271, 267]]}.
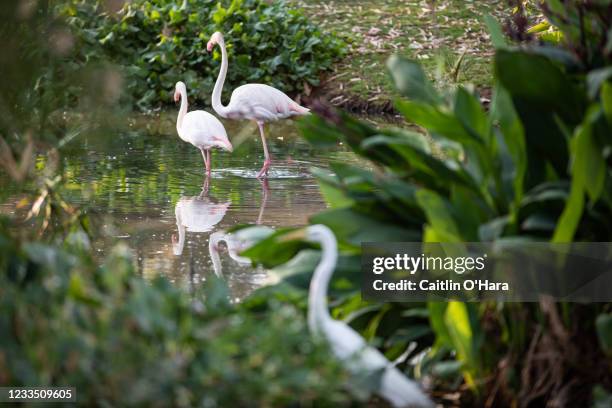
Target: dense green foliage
{"points": [[159, 42], [122, 341], [70, 319], [36, 84], [535, 167]]}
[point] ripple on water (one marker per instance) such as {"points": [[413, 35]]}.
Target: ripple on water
{"points": [[273, 173]]}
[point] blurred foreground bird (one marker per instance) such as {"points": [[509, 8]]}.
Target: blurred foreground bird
{"points": [[345, 342]]}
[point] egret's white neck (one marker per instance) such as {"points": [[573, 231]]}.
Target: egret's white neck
{"points": [[317, 297], [182, 111], [216, 95]]}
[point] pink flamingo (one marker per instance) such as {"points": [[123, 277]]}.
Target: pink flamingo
{"points": [[199, 128], [258, 102]]}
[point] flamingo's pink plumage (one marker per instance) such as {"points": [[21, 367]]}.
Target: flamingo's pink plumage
{"points": [[258, 102]]}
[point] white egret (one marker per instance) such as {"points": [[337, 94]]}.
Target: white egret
{"points": [[345, 342]]}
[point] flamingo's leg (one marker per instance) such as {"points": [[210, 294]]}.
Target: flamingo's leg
{"points": [[205, 160], [209, 161], [268, 160]]}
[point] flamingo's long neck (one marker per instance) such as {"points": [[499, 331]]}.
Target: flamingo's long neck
{"points": [[182, 111], [317, 297], [178, 246], [213, 242], [216, 95]]}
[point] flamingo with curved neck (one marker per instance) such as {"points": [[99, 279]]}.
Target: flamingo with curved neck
{"points": [[345, 342], [258, 102], [199, 128]]}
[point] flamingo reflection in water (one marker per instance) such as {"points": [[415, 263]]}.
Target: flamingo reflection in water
{"points": [[196, 214], [239, 240]]}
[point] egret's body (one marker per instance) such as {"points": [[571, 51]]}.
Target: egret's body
{"points": [[199, 128], [345, 342], [258, 102], [196, 214]]}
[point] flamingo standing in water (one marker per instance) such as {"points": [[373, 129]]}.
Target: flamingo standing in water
{"points": [[345, 342], [199, 128], [258, 102]]}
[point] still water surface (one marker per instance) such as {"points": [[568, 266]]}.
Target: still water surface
{"points": [[148, 187]]}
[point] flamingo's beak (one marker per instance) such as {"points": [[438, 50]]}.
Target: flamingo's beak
{"points": [[177, 96], [224, 144], [210, 45]]}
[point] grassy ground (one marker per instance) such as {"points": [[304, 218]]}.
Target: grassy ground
{"points": [[436, 32]]}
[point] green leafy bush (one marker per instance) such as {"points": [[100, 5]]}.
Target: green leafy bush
{"points": [[159, 42], [118, 339], [40, 83], [535, 167], [121, 340]]}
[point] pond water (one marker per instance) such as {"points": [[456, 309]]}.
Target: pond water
{"points": [[147, 188]]}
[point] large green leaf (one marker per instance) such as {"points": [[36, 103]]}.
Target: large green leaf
{"points": [[318, 132], [460, 320], [604, 332], [297, 272], [531, 77], [472, 212], [333, 194], [386, 197], [354, 228], [497, 35], [436, 171], [437, 311], [442, 125], [502, 111], [411, 81], [471, 114], [439, 216], [596, 79], [547, 100], [606, 100], [435, 120], [276, 249], [588, 176]]}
